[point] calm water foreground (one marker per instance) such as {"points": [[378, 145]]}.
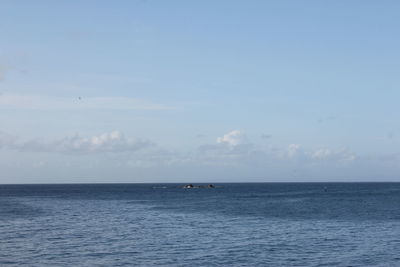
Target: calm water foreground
{"points": [[270, 224]]}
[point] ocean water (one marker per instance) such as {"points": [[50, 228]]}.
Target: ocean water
{"points": [[266, 224]]}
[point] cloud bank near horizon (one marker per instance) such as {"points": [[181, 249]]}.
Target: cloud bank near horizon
{"points": [[230, 155], [232, 144], [112, 142]]}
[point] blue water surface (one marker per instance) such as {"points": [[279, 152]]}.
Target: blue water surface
{"points": [[254, 224]]}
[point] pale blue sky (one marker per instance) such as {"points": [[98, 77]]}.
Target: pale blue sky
{"points": [[165, 91]]}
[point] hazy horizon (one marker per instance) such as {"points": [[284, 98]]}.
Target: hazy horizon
{"points": [[199, 91]]}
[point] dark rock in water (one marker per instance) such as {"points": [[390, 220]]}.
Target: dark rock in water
{"points": [[199, 186]]}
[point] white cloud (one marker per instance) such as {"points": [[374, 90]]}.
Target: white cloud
{"points": [[37, 102], [106, 142], [322, 153], [294, 150], [233, 138], [232, 149], [229, 147], [339, 155]]}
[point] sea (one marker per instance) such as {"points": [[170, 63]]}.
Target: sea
{"points": [[233, 224]]}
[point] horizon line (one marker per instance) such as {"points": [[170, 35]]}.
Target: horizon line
{"points": [[271, 182]]}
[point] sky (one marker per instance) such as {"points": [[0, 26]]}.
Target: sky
{"points": [[199, 91]]}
